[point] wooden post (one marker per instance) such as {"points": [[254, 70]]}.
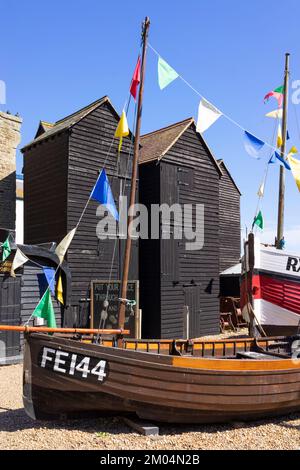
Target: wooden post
{"points": [[280, 222], [251, 262], [126, 264]]}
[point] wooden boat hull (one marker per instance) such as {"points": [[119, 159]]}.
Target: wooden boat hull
{"points": [[158, 387]]}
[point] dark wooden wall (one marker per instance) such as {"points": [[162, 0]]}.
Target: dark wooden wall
{"points": [[230, 224], [149, 255], [187, 175], [89, 144], [59, 174], [45, 190]]}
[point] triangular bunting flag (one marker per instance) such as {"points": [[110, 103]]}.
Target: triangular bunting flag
{"points": [[122, 129], [166, 74], [207, 115], [276, 156], [259, 221], [261, 190], [6, 249], [277, 94], [18, 261], [136, 79], [103, 194], [279, 136], [253, 145], [63, 246], [295, 167], [59, 290], [277, 114], [292, 151], [50, 276], [45, 310]]}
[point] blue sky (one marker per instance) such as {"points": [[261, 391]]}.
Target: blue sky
{"points": [[60, 56]]}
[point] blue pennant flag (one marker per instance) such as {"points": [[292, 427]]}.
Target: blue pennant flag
{"points": [[275, 157], [103, 194], [252, 144], [49, 275], [287, 135]]}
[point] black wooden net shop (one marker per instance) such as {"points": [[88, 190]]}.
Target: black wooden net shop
{"points": [[73, 151], [176, 166]]}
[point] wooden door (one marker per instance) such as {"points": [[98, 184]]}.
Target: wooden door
{"points": [[10, 308]]}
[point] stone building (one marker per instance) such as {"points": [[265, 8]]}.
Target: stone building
{"points": [[9, 139]]}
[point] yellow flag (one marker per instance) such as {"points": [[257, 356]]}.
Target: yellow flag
{"points": [[293, 150], [295, 166], [279, 136], [59, 290], [122, 129]]}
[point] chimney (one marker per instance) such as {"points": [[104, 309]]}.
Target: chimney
{"points": [[9, 140]]}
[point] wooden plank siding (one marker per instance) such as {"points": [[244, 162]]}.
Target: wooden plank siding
{"points": [[90, 147], [188, 175], [60, 170], [230, 225], [45, 190]]}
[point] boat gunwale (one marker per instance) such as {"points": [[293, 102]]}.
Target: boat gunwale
{"points": [[196, 364]]}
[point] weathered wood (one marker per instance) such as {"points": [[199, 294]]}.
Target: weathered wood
{"points": [[229, 220], [186, 174], [162, 387], [142, 427]]}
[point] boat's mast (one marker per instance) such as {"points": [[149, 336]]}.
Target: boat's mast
{"points": [[280, 223], [146, 25]]}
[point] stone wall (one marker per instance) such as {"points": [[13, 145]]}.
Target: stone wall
{"points": [[9, 140]]}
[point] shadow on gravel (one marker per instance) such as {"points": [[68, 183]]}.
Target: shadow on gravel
{"points": [[17, 420], [284, 421]]}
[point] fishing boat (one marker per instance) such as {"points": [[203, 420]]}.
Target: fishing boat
{"points": [[161, 380], [78, 372], [270, 282]]}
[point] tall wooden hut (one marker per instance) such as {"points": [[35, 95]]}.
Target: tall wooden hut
{"points": [[176, 166], [229, 220], [61, 166]]}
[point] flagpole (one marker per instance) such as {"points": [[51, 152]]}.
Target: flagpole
{"points": [[280, 224], [126, 264]]}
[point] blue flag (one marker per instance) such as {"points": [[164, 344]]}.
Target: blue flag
{"points": [[103, 194], [49, 275], [252, 144], [276, 156]]}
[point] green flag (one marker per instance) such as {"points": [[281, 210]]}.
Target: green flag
{"points": [[259, 221], [6, 250], [166, 74], [45, 310]]}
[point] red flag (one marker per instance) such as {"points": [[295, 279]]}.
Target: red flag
{"points": [[136, 79]]}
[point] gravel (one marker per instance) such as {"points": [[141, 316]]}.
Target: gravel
{"points": [[18, 431]]}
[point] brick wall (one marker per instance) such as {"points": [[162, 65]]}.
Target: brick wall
{"points": [[9, 139]]}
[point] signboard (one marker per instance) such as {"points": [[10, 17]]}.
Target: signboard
{"points": [[5, 266], [105, 305]]}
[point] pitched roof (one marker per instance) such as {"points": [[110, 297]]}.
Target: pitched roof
{"points": [[43, 127], [221, 163], [157, 143], [65, 123]]}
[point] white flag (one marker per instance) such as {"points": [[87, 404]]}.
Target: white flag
{"points": [[277, 113], [261, 190], [207, 115], [63, 246], [18, 261]]}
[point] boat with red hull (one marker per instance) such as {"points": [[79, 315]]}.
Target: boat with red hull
{"points": [[274, 283]]}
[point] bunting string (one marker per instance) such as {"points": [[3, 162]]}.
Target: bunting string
{"points": [[230, 119]]}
